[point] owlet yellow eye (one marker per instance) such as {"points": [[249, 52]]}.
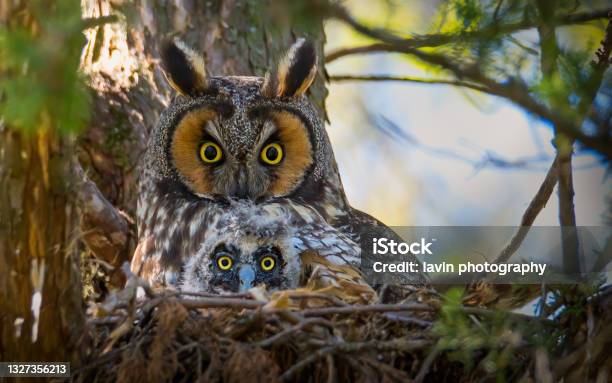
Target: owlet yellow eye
{"points": [[272, 154], [210, 152], [267, 263], [225, 263]]}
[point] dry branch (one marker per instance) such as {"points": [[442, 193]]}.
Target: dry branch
{"points": [[329, 298], [464, 84], [545, 191], [517, 93], [234, 303], [536, 205], [402, 345], [438, 39], [283, 335], [106, 231], [549, 53], [375, 308], [511, 89]]}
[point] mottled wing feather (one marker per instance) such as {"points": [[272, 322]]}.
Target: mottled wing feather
{"points": [[329, 243], [145, 263]]}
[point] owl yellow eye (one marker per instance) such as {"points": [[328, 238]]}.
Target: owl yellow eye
{"points": [[267, 263], [225, 263], [272, 154], [210, 152]]}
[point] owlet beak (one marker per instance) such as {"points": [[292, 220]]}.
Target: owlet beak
{"points": [[246, 274]]}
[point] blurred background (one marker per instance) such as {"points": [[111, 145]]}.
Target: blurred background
{"points": [[461, 157], [81, 87]]}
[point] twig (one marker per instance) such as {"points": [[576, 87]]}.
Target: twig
{"points": [[332, 372], [535, 206], [519, 94], [397, 374], [438, 39], [235, 303], [281, 336], [400, 344], [511, 89], [407, 79], [391, 129], [508, 314], [370, 48], [166, 293], [366, 309], [407, 319], [543, 195], [107, 357], [329, 298], [431, 357]]}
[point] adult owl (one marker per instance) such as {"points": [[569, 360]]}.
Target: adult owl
{"points": [[236, 137]]}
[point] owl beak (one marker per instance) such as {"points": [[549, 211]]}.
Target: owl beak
{"points": [[242, 185], [246, 274]]}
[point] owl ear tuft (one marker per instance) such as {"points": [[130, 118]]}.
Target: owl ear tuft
{"points": [[295, 72], [183, 67]]}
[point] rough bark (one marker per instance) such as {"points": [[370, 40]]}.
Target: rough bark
{"points": [[237, 37], [38, 257], [41, 311]]}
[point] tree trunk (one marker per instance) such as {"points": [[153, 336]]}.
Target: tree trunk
{"points": [[40, 289], [41, 308], [236, 37]]}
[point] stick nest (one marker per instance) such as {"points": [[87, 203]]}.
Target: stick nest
{"points": [[330, 335]]}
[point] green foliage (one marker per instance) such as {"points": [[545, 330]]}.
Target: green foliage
{"points": [[40, 85], [496, 340], [469, 12], [491, 36]]}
